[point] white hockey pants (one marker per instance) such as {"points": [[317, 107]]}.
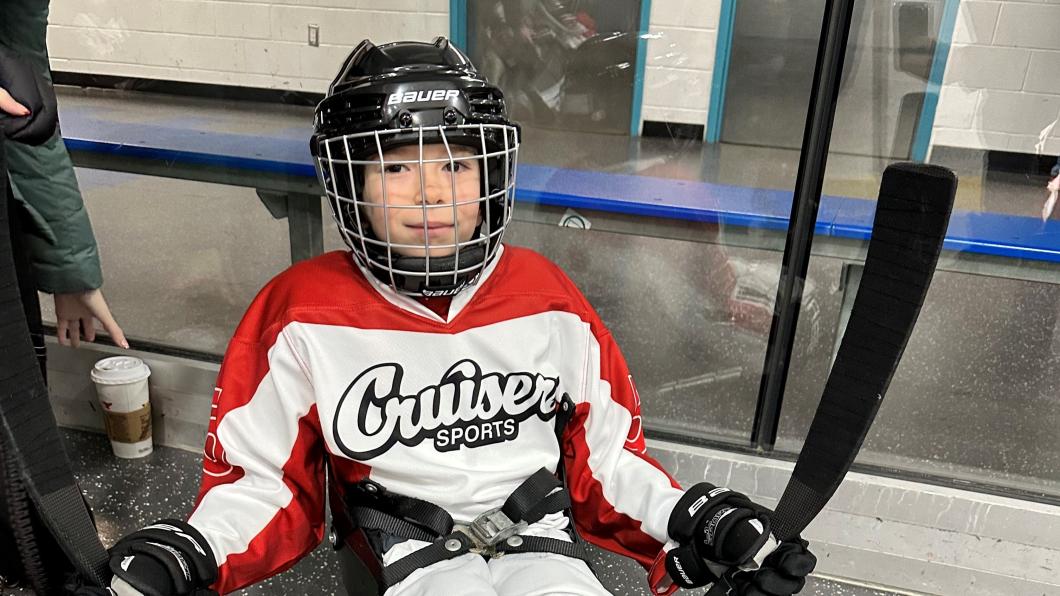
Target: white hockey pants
{"points": [[524, 574]]}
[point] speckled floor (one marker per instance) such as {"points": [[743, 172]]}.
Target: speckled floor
{"points": [[126, 494]]}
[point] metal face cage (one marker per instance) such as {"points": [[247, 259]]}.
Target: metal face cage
{"points": [[433, 267]]}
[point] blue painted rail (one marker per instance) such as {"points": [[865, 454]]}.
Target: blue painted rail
{"points": [[286, 152]]}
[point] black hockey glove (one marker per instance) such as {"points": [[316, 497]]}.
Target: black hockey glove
{"points": [[167, 558], [782, 573], [725, 540]]}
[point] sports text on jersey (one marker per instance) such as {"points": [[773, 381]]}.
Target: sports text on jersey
{"points": [[465, 409], [421, 96]]}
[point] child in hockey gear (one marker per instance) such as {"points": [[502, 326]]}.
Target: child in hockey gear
{"points": [[473, 417]]}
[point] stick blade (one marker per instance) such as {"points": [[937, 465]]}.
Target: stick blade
{"points": [[912, 213]]}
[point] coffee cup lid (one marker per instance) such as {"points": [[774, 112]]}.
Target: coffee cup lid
{"points": [[119, 370]]}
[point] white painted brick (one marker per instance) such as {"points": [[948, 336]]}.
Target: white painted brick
{"points": [[242, 19], [986, 67], [67, 42], [189, 16], [976, 22], [193, 75], [956, 107], [70, 12], [190, 51], [273, 58], [686, 89], [1052, 146], [349, 27], [91, 43], [685, 13], [1026, 144], [321, 62], [1029, 26], [1017, 113], [138, 15], [1043, 74], [63, 13], [416, 6], [289, 23], [969, 139], [666, 114], [682, 48], [991, 38]]}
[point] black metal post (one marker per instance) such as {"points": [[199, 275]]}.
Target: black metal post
{"points": [[807, 197]]}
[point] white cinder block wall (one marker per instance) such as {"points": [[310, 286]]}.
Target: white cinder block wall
{"points": [[680, 60], [1001, 88], [263, 44], [251, 44]]}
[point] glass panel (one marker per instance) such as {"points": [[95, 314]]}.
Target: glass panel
{"points": [[975, 395], [182, 259], [773, 55], [207, 117]]}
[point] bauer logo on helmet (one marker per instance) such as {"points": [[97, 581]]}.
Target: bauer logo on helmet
{"points": [[422, 96]]}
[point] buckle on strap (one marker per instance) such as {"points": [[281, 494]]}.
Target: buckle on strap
{"points": [[493, 527]]}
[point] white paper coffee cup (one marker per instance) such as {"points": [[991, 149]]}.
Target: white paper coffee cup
{"points": [[121, 386]]}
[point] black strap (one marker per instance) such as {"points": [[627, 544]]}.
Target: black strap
{"points": [[544, 544], [535, 497], [407, 517], [564, 412], [440, 550], [373, 519], [27, 421], [425, 514]]}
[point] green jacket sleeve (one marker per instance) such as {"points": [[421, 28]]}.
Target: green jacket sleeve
{"points": [[60, 242]]}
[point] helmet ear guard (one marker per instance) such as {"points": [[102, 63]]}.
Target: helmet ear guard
{"points": [[411, 93]]}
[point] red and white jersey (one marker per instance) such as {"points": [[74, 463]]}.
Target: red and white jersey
{"points": [[458, 411]]}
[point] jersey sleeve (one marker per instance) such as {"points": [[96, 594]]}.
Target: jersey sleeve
{"points": [[621, 497], [261, 503]]}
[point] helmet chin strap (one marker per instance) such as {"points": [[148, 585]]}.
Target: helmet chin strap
{"points": [[439, 280]]}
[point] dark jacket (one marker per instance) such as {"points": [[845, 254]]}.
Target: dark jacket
{"points": [[19, 372], [59, 237]]}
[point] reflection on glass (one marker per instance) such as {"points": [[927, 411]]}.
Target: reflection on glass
{"points": [[888, 62], [562, 63], [183, 259]]}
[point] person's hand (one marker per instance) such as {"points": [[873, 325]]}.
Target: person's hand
{"points": [[726, 541], [75, 313], [32, 117], [1050, 202], [167, 558], [782, 573], [10, 106]]}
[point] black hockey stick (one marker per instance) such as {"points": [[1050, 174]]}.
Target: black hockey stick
{"points": [[912, 213], [911, 217]]}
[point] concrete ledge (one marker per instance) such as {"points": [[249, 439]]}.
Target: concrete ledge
{"points": [[904, 535], [881, 531]]}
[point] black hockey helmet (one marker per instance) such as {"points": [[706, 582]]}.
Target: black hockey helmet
{"points": [[414, 93]]}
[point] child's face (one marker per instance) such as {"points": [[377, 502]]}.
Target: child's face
{"points": [[444, 185]]}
